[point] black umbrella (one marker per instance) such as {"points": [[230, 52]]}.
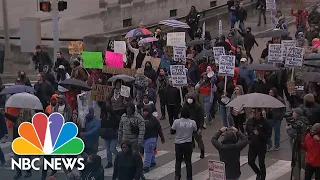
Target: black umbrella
{"points": [[314, 63], [76, 84], [17, 89], [196, 42], [204, 53], [309, 77], [273, 33], [312, 57], [262, 67]]}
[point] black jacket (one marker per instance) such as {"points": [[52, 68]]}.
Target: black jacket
{"points": [[241, 14], [220, 89], [153, 127], [260, 87], [64, 62], [313, 113], [41, 59], [109, 123], [248, 40], [196, 111], [173, 96], [265, 132], [229, 151], [93, 170], [44, 91], [127, 166]]}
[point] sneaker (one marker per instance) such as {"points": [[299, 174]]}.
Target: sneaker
{"points": [[109, 165], [276, 148], [269, 148], [162, 118]]}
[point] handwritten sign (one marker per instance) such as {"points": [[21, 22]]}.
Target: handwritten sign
{"points": [[92, 60], [179, 54], [226, 65], [271, 5], [120, 47], [75, 47], [155, 62], [285, 44], [113, 59], [294, 57], [116, 70], [216, 170], [178, 75], [217, 52], [176, 39], [125, 91], [100, 92], [275, 53]]}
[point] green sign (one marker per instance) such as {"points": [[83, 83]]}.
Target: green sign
{"points": [[92, 60]]}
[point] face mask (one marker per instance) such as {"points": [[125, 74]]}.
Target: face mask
{"points": [[53, 103], [190, 101]]}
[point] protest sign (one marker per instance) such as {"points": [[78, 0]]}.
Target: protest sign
{"points": [[100, 92], [220, 28], [217, 52], [294, 57], [75, 47], [92, 60], [113, 59], [271, 5], [226, 65], [274, 53], [179, 54], [285, 44], [155, 62], [116, 70], [120, 47], [83, 108], [178, 75], [125, 91], [216, 170], [176, 39]]}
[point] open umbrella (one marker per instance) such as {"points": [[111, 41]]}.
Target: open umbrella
{"points": [[175, 23], [17, 89], [313, 63], [312, 57], [147, 40], [24, 101], [76, 84], [256, 100], [262, 67], [138, 32], [122, 77], [204, 53], [273, 33], [309, 77], [196, 42]]}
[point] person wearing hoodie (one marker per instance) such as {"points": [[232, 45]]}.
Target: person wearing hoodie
{"points": [[229, 148], [127, 164], [274, 118], [44, 90], [193, 73], [24, 78], [131, 127], [52, 103], [238, 114], [90, 136], [260, 85], [150, 91], [184, 128], [93, 168], [109, 131], [311, 108], [311, 145], [162, 83], [63, 108], [62, 61], [153, 130], [173, 100], [150, 73], [249, 41], [196, 114], [235, 38], [259, 132]]}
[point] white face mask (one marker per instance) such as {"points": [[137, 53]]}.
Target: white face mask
{"points": [[190, 101]]}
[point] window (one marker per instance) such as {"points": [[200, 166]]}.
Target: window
{"points": [[127, 22], [173, 13], [213, 3]]}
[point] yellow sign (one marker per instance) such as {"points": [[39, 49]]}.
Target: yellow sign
{"points": [[75, 47]]}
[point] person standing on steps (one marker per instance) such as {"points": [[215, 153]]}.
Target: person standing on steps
{"points": [[261, 7]]}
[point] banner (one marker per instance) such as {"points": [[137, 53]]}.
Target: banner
{"points": [[178, 75], [176, 39], [116, 70], [75, 47], [294, 57], [100, 92], [92, 60], [120, 47], [155, 62], [226, 65], [218, 51], [113, 59], [275, 53], [271, 4], [285, 44], [179, 54]]}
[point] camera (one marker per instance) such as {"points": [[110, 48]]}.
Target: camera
{"points": [[297, 125], [288, 117]]}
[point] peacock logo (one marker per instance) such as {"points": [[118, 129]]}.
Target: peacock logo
{"points": [[48, 136]]}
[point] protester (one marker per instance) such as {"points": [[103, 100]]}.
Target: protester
{"points": [[193, 21], [260, 85], [193, 73], [162, 83], [93, 168], [41, 59], [116, 100], [61, 76], [52, 103], [229, 149], [238, 114], [150, 73], [78, 72], [173, 100], [259, 132], [63, 108], [261, 7], [150, 91], [183, 128], [62, 61], [241, 16], [24, 78], [138, 55], [312, 109], [44, 90]]}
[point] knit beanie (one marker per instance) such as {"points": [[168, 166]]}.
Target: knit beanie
{"points": [[309, 98], [298, 111]]}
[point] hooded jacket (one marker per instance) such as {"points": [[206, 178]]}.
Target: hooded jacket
{"points": [[153, 127], [196, 111], [109, 123], [91, 131], [276, 113], [265, 132], [150, 73], [126, 122], [127, 165], [229, 151], [93, 170], [49, 109], [312, 148]]}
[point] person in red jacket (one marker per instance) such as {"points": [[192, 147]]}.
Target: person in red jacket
{"points": [[311, 145]]}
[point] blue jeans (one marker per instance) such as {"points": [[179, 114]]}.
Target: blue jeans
{"points": [[275, 125], [2, 160], [149, 145], [223, 115], [241, 26], [111, 146], [207, 108]]}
